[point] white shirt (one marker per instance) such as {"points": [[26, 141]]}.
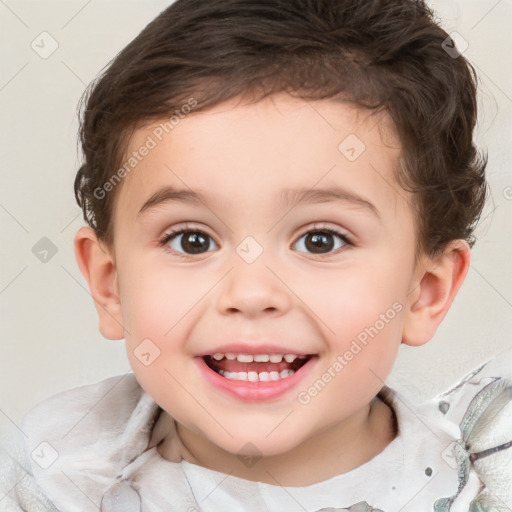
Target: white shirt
{"points": [[94, 448]]}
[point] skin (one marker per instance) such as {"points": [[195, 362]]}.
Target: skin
{"points": [[241, 156]]}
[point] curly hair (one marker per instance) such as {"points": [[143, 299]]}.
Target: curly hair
{"points": [[380, 55]]}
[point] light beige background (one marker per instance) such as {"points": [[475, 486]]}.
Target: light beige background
{"points": [[49, 338]]}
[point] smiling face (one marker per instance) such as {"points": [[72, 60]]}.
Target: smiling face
{"points": [[299, 242], [260, 271]]}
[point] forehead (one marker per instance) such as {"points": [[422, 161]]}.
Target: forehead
{"points": [[243, 155]]}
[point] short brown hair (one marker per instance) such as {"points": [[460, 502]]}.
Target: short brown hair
{"points": [[381, 55]]}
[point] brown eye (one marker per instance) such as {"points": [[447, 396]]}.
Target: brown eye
{"points": [[189, 242], [322, 241]]}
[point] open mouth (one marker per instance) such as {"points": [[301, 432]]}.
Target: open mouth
{"points": [[256, 368]]}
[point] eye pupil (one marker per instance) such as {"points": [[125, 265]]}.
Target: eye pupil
{"points": [[194, 242], [319, 241]]}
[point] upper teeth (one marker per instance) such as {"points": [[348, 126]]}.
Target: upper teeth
{"points": [[262, 358]]}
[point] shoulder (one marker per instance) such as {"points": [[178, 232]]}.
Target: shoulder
{"points": [[19, 490], [66, 409], [462, 439], [481, 405], [76, 442], [480, 397]]}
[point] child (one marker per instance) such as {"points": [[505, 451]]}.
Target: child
{"points": [[279, 194]]}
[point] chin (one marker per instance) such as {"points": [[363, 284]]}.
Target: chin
{"points": [[257, 445]]}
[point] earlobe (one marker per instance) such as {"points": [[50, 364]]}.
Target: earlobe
{"points": [[98, 268], [434, 291]]}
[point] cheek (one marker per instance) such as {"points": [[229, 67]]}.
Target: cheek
{"points": [[156, 299], [361, 313], [159, 307], [361, 317], [156, 308], [355, 299]]}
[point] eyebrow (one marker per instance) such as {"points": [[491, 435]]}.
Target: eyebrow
{"points": [[326, 195], [288, 197], [168, 194]]}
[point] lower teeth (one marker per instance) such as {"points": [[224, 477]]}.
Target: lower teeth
{"points": [[255, 377]]}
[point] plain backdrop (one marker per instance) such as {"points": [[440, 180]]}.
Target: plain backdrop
{"points": [[49, 336]]}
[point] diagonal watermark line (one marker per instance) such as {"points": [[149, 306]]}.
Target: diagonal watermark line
{"points": [[486, 14], [13, 13], [300, 299], [199, 403], [205, 205], [375, 124], [215, 488], [292, 207], [71, 222], [389, 184], [291, 88], [503, 504], [198, 301], [481, 221], [410, 410], [280, 423], [493, 287], [89, 411], [14, 218], [14, 76], [483, 121], [38, 498], [14, 423], [285, 490], [85, 494], [320, 115], [13, 279], [428, 483], [14, 486], [76, 14], [18, 464], [429, 271], [493, 82], [90, 295], [73, 73]]}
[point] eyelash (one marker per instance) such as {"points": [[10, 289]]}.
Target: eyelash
{"points": [[167, 237]]}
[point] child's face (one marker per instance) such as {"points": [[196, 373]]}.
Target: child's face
{"points": [[313, 294]]}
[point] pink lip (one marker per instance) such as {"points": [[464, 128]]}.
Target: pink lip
{"points": [[253, 391], [251, 349]]}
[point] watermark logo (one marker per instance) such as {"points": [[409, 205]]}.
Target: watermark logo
{"points": [[249, 249], [448, 455], [44, 455], [44, 45], [455, 45], [44, 250], [147, 352], [352, 147], [249, 455]]}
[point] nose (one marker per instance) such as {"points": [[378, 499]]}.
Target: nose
{"points": [[253, 289]]}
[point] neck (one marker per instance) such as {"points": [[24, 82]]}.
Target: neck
{"points": [[335, 450]]}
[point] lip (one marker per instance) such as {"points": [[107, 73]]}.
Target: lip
{"points": [[251, 349], [254, 391]]}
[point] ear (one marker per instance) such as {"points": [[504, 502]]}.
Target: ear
{"points": [[98, 267], [434, 289]]}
